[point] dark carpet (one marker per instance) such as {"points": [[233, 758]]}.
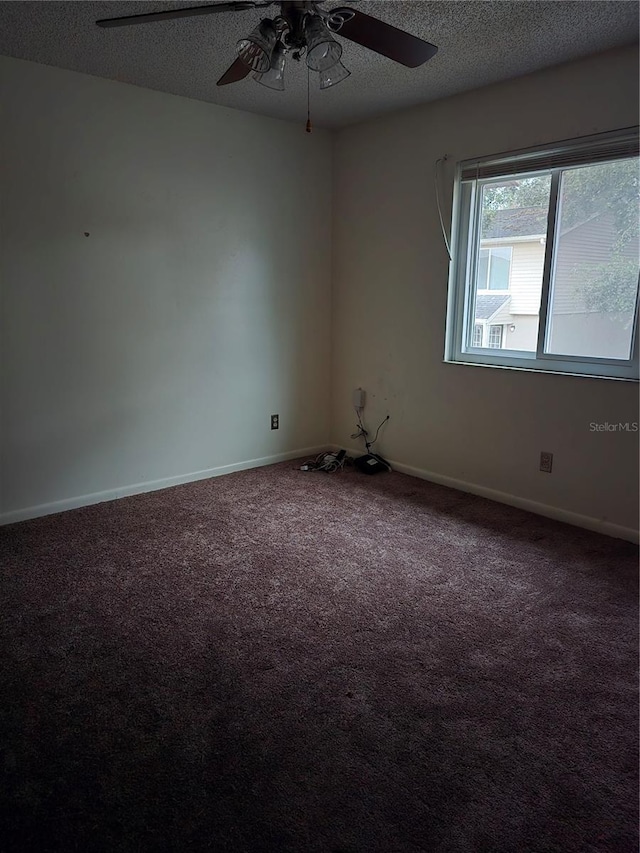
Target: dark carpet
{"points": [[286, 661]]}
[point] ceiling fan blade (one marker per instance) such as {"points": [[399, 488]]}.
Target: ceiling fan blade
{"points": [[151, 17], [237, 71], [383, 38]]}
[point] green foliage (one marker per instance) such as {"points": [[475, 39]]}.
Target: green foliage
{"points": [[609, 287], [522, 192], [609, 189], [585, 192], [518, 193]]}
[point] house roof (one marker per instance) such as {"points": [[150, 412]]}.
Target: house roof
{"points": [[515, 222], [486, 306]]}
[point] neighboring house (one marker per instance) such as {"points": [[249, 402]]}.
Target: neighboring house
{"points": [[509, 280], [509, 285]]}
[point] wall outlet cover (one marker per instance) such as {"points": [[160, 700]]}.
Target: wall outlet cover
{"points": [[359, 397], [546, 462]]}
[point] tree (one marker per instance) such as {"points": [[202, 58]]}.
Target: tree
{"points": [[586, 191], [519, 192], [609, 288], [610, 189]]}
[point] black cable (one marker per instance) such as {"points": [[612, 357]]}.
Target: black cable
{"points": [[363, 432], [378, 430]]}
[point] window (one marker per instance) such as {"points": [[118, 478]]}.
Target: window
{"points": [[494, 266], [495, 337], [546, 249]]}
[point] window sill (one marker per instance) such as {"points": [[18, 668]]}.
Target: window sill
{"points": [[543, 370]]}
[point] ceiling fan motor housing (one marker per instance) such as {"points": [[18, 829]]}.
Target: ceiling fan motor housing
{"points": [[294, 14]]}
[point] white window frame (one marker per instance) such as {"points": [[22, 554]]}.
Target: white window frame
{"points": [[500, 336], [471, 176]]}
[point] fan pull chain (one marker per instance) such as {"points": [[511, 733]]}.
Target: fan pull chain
{"points": [[309, 126]]}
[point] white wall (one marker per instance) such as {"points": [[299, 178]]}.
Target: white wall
{"points": [[478, 426], [198, 306]]}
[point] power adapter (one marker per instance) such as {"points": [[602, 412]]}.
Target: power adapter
{"points": [[372, 463], [359, 397]]}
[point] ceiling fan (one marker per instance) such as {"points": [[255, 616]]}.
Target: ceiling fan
{"points": [[301, 29]]}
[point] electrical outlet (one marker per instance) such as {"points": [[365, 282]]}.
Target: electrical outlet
{"points": [[275, 421], [546, 462]]}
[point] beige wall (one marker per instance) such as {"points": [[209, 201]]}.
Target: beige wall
{"points": [[526, 277], [481, 426], [525, 334], [199, 305], [159, 345]]}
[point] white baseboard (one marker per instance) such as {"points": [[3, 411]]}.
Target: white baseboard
{"points": [[152, 485], [588, 522], [617, 531]]}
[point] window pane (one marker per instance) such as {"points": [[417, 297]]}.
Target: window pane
{"points": [[483, 269], [477, 336], [495, 337], [500, 268], [508, 286], [595, 281]]}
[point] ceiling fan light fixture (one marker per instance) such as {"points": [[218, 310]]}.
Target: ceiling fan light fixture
{"points": [[274, 77], [323, 51], [334, 75], [257, 48]]}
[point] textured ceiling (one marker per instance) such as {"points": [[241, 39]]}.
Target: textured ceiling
{"points": [[479, 43]]}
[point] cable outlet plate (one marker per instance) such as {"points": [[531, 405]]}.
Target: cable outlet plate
{"points": [[275, 421], [546, 461]]}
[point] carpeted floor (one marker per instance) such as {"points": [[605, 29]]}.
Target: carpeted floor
{"points": [[314, 663]]}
